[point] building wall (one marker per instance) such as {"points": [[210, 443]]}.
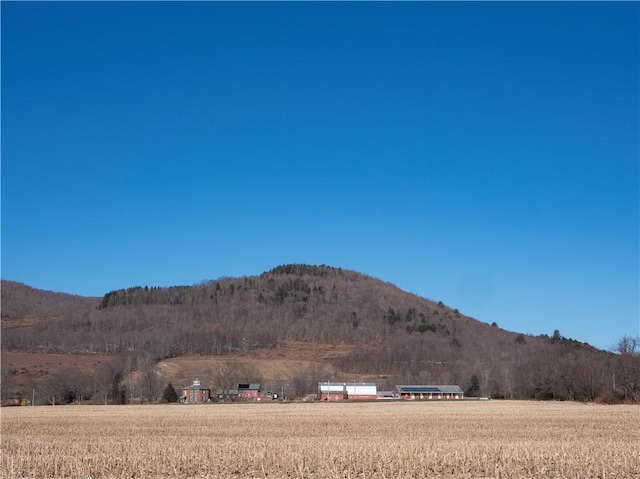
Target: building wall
{"points": [[429, 396], [363, 397], [193, 396], [343, 391], [248, 395], [331, 391], [332, 396], [362, 391]]}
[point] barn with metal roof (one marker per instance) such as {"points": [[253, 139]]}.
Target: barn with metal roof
{"points": [[427, 392], [248, 391]]}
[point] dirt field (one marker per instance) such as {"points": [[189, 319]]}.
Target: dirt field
{"points": [[285, 361], [38, 365], [324, 440]]}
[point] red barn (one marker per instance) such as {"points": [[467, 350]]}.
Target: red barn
{"points": [[249, 392]]}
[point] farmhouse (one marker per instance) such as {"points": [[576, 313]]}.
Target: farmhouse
{"points": [[196, 393], [335, 391], [428, 392]]}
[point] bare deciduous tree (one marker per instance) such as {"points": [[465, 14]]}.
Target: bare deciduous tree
{"points": [[627, 373]]}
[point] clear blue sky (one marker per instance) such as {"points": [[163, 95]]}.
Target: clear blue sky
{"points": [[481, 154]]}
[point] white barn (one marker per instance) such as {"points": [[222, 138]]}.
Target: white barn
{"points": [[338, 391]]}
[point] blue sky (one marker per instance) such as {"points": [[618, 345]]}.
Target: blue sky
{"points": [[481, 154]]}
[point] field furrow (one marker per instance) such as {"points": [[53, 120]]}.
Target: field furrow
{"points": [[337, 440]]}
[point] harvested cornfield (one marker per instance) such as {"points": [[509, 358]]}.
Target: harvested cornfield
{"points": [[324, 440]]}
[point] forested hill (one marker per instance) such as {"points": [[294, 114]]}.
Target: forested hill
{"points": [[393, 333], [296, 302], [21, 301]]}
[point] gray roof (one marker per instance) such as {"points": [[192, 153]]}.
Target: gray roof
{"points": [[429, 389], [342, 384], [248, 386], [227, 392], [196, 386]]}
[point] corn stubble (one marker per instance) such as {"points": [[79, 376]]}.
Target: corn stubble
{"points": [[335, 440]]}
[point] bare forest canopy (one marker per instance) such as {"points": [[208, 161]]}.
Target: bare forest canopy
{"points": [[22, 301], [394, 334]]}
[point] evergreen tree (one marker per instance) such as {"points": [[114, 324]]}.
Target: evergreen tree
{"points": [[474, 388], [169, 394]]}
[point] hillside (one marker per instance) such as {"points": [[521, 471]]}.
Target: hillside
{"points": [[21, 301], [383, 332]]}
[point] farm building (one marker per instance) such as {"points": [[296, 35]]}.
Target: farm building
{"points": [[385, 395], [328, 391], [428, 392], [196, 393], [334, 391], [252, 392], [248, 391], [245, 392], [227, 394]]}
